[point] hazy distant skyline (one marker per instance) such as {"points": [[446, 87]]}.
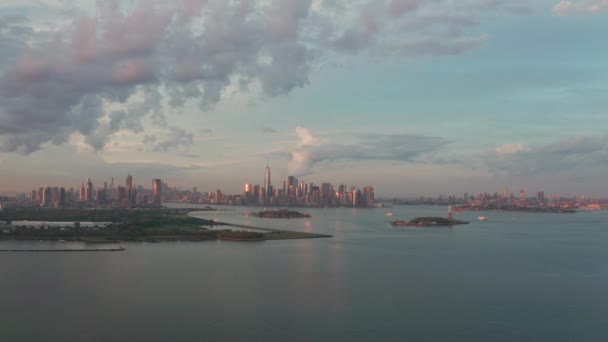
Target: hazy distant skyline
{"points": [[409, 96]]}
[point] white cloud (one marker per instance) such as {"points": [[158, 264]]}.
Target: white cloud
{"points": [[575, 155], [311, 151], [564, 8], [511, 149], [99, 52]]}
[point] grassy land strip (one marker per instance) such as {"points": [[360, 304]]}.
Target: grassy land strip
{"points": [[151, 225], [292, 235]]}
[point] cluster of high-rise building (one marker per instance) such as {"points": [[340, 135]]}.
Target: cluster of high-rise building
{"points": [[291, 192], [295, 192], [87, 195]]}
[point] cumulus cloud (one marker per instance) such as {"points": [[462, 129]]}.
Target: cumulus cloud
{"points": [[575, 154], [582, 6], [147, 55], [177, 137], [312, 150]]}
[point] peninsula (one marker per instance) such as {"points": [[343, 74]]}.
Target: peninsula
{"points": [[117, 225]]}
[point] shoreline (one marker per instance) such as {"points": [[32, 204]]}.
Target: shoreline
{"points": [[522, 210]]}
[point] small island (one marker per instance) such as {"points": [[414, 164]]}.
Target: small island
{"points": [[428, 222], [282, 214]]}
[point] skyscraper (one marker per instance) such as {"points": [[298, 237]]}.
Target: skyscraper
{"points": [[156, 192], [129, 182], [248, 188], [267, 184], [368, 196], [81, 193], [540, 196], [88, 194], [46, 197], [129, 187]]}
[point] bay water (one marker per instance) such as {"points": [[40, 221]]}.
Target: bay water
{"points": [[515, 277]]}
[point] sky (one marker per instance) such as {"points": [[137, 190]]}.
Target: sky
{"points": [[413, 97]]}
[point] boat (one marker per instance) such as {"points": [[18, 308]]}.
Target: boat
{"points": [[482, 218], [389, 214]]}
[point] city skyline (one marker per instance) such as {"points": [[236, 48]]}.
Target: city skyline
{"points": [[292, 192], [414, 97]]}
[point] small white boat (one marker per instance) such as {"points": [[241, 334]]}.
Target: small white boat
{"points": [[482, 218], [389, 214]]}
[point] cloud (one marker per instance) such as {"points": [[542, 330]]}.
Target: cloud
{"points": [[269, 130], [564, 8], [176, 138], [575, 155], [145, 56], [311, 151], [18, 173], [507, 149], [398, 7], [148, 139]]}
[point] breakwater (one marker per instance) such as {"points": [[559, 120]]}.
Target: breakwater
{"points": [[252, 227], [119, 249]]}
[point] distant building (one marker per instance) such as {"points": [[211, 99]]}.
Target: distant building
{"points": [[156, 192], [129, 189], [540, 196], [247, 188], [81, 193], [368, 196], [62, 196], [267, 184], [121, 193], [89, 191], [46, 197]]}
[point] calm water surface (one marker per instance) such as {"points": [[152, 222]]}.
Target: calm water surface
{"points": [[516, 277]]}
